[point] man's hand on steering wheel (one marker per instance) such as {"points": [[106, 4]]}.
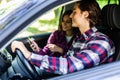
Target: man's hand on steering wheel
{"points": [[19, 45]]}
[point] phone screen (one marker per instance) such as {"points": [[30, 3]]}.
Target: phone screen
{"points": [[30, 39]]}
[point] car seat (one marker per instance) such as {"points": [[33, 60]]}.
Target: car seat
{"points": [[111, 21]]}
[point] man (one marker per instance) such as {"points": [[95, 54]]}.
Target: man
{"points": [[90, 48]]}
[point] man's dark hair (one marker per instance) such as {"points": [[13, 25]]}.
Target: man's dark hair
{"points": [[94, 11]]}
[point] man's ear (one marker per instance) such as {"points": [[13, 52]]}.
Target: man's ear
{"points": [[86, 14]]}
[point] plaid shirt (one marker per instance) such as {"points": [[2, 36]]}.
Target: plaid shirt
{"points": [[89, 49]]}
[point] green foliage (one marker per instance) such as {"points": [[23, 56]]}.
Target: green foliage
{"points": [[102, 3], [49, 22], [33, 30]]}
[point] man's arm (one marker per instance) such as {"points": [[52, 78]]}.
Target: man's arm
{"points": [[92, 55]]}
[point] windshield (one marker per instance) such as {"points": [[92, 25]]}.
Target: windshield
{"points": [[13, 9]]}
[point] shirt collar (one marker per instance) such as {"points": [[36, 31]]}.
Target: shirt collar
{"points": [[89, 33]]}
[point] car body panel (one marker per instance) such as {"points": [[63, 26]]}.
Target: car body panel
{"points": [[102, 72]]}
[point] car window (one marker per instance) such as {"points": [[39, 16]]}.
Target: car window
{"points": [[49, 21], [105, 2], [46, 23]]}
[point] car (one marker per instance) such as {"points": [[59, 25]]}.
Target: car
{"points": [[15, 21]]}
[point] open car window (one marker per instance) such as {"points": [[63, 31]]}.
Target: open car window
{"points": [[46, 23]]}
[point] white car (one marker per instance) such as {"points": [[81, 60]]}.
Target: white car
{"points": [[17, 20]]}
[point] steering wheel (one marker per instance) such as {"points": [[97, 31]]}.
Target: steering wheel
{"points": [[29, 67]]}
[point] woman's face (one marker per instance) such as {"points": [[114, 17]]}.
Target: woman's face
{"points": [[66, 23]]}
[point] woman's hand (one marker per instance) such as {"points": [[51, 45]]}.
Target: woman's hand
{"points": [[34, 46], [55, 48], [19, 45]]}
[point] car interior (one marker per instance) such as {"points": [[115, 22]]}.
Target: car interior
{"points": [[111, 20], [19, 66]]}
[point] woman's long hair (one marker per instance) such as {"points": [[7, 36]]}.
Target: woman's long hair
{"points": [[68, 12]]}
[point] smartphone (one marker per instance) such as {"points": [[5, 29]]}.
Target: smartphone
{"points": [[30, 40]]}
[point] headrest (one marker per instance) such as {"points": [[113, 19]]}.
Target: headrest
{"points": [[111, 16]]}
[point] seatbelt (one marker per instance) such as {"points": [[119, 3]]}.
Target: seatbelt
{"points": [[108, 2], [119, 2]]}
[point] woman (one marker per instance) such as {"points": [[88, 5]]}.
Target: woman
{"points": [[90, 48], [60, 40]]}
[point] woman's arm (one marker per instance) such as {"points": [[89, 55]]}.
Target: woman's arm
{"points": [[55, 43]]}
